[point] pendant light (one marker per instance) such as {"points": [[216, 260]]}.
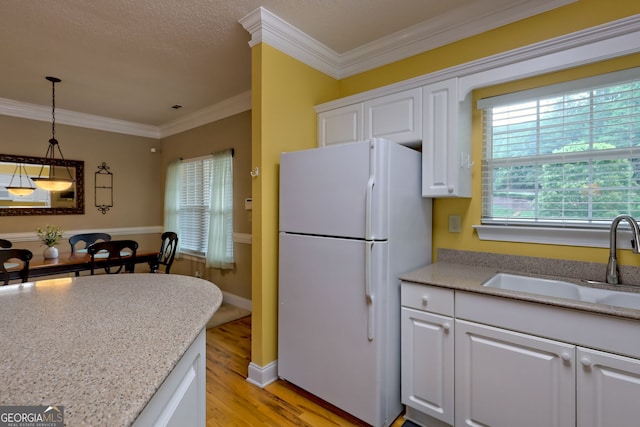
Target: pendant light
{"points": [[50, 181], [20, 190]]}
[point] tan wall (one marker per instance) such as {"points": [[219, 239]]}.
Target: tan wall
{"points": [[232, 132], [137, 189]]}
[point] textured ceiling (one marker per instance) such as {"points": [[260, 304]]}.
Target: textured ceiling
{"points": [[133, 60]]}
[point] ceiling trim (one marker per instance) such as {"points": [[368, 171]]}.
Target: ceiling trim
{"points": [[229, 107], [606, 41], [226, 108], [24, 110], [266, 27]]}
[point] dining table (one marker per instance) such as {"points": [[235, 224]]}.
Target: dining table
{"points": [[80, 260]]}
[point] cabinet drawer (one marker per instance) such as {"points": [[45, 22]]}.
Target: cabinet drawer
{"points": [[427, 298]]}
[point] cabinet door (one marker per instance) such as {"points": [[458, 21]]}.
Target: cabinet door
{"points": [[507, 379], [608, 390], [397, 117], [427, 363], [446, 141], [341, 125]]}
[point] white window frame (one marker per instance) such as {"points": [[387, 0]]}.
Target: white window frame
{"points": [[195, 192], [514, 151]]}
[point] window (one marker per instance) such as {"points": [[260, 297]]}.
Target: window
{"points": [[199, 205], [564, 155]]}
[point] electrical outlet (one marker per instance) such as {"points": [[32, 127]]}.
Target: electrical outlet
{"points": [[455, 224], [196, 273]]}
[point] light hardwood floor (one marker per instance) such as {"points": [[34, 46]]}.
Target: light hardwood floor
{"points": [[232, 401]]}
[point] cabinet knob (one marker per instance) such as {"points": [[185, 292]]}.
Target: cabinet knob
{"points": [[446, 327], [425, 300], [565, 356], [450, 190], [585, 362]]}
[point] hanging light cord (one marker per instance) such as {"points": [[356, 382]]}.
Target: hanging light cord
{"points": [[53, 113]]}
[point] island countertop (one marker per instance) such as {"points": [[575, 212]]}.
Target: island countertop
{"points": [[100, 346]]}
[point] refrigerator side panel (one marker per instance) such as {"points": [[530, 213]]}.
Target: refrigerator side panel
{"points": [[410, 234], [323, 190], [324, 343]]}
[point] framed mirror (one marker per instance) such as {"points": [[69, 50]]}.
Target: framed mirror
{"points": [[40, 202]]}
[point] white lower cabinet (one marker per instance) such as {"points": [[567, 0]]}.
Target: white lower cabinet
{"points": [[506, 379], [181, 399], [427, 363], [608, 390], [480, 361]]}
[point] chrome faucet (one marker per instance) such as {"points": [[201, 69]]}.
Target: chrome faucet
{"points": [[612, 267]]}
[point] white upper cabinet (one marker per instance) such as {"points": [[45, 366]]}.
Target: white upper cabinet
{"points": [[341, 125], [397, 117], [430, 116], [446, 141]]}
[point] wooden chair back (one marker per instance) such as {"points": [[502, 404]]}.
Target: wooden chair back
{"points": [[119, 256], [14, 254], [5, 244], [88, 239], [167, 252]]}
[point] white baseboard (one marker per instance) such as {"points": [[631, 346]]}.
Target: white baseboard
{"points": [[262, 376], [236, 300]]}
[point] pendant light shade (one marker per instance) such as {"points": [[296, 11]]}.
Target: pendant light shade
{"points": [[48, 178], [20, 189]]}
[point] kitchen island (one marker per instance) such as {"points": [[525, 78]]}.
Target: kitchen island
{"points": [[100, 346]]}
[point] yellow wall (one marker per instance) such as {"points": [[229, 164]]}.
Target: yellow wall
{"points": [[284, 92], [580, 15]]}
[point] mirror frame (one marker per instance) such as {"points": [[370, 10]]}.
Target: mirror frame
{"points": [[78, 165]]}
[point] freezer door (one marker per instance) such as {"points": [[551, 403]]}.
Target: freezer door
{"points": [[335, 191], [331, 336]]}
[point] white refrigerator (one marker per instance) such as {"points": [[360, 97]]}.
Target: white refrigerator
{"points": [[352, 220]]}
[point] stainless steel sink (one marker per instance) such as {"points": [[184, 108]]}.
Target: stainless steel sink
{"points": [[562, 289]]}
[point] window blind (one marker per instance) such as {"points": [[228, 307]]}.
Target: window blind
{"points": [[564, 155], [194, 201]]}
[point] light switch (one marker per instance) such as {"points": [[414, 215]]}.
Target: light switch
{"points": [[247, 203]]}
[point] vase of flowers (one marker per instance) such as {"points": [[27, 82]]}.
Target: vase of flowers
{"points": [[50, 236]]}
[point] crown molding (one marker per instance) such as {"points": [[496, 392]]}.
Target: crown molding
{"points": [[229, 107], [24, 110], [221, 110], [606, 41], [265, 27]]}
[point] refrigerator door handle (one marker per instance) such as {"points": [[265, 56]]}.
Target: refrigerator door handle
{"points": [[367, 289], [371, 182], [369, 208]]}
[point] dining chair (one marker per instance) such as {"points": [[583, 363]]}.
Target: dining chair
{"points": [[113, 253], [167, 252], [5, 244], [14, 254], [88, 239]]}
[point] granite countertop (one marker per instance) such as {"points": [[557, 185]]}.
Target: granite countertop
{"points": [[100, 346], [470, 278]]}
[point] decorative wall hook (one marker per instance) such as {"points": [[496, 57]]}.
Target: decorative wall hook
{"points": [[255, 172]]}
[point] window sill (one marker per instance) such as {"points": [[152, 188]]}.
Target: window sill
{"points": [[595, 238]]}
